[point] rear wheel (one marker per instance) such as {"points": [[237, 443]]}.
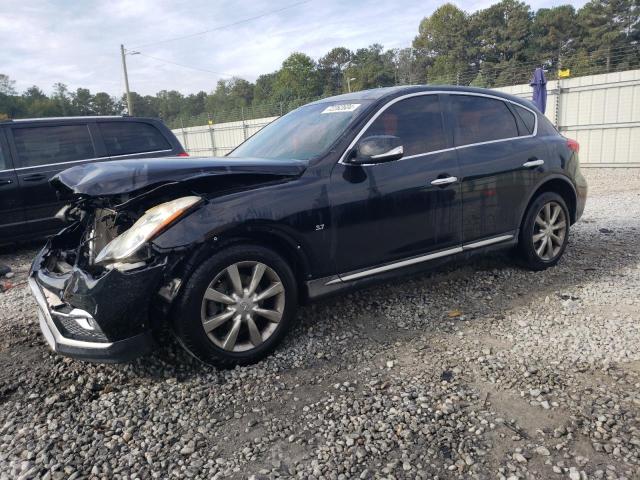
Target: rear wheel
{"points": [[544, 232], [237, 306]]}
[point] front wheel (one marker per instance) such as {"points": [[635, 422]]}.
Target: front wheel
{"points": [[237, 306], [544, 232]]}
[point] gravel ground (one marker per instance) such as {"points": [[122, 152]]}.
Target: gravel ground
{"points": [[476, 370]]}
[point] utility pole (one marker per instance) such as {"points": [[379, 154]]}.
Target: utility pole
{"points": [[349, 83], [126, 81]]}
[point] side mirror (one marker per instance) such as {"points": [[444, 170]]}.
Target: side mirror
{"points": [[378, 149]]}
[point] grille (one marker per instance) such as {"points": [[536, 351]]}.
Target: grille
{"points": [[70, 329]]}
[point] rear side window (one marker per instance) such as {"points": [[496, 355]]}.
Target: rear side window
{"points": [[4, 165], [122, 138], [527, 117], [417, 121], [56, 144], [481, 119]]}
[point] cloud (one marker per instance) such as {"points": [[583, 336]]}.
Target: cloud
{"points": [[78, 43]]}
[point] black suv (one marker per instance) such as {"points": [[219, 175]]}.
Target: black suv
{"points": [[32, 151], [333, 195]]}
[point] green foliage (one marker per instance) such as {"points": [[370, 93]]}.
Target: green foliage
{"points": [[495, 46]]}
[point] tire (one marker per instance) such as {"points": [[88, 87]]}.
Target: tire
{"points": [[206, 326], [534, 228]]}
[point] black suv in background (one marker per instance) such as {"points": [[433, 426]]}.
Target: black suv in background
{"points": [[32, 151]]}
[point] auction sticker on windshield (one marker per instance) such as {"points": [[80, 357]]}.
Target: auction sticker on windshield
{"points": [[345, 107]]}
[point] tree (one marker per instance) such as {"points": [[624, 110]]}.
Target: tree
{"points": [[263, 91], [7, 86], [105, 104], [297, 79], [331, 70], [372, 68], [554, 33], [607, 27], [503, 31], [81, 101]]}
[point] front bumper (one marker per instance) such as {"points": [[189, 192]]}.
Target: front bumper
{"points": [[96, 351], [102, 318]]}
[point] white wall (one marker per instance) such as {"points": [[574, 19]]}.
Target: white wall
{"points": [[601, 112]]}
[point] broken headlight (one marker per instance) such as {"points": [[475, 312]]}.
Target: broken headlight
{"points": [[148, 226]]}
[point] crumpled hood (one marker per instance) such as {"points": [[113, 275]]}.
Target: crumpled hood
{"points": [[127, 176]]}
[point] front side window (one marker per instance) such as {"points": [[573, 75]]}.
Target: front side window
{"points": [[417, 121], [123, 138], [56, 144], [303, 134], [481, 119]]}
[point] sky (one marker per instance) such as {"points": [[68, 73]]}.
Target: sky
{"points": [[77, 42]]}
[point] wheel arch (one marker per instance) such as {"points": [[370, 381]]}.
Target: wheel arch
{"points": [[263, 235], [556, 184]]}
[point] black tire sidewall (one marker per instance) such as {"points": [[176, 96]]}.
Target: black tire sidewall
{"points": [[186, 314], [525, 243]]}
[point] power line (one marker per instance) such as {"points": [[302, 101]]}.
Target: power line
{"points": [[187, 66], [245, 20]]}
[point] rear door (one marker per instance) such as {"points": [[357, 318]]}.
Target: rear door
{"points": [[499, 162], [11, 211], [40, 151], [134, 139]]}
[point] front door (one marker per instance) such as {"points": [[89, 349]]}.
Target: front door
{"points": [[40, 152], [387, 212], [11, 212]]}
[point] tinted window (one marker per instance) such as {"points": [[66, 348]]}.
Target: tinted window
{"points": [[59, 144], [417, 121], [528, 118], [3, 163], [122, 138], [481, 119]]}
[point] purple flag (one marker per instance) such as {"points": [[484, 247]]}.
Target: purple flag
{"points": [[539, 84]]}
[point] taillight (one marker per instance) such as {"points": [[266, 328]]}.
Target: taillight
{"points": [[573, 145], [183, 154]]}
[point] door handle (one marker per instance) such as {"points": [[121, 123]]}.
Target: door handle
{"points": [[5, 181], [36, 177], [438, 182], [533, 163]]}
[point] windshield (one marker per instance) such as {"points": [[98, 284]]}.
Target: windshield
{"points": [[305, 133]]}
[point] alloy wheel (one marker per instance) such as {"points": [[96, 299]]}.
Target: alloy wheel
{"points": [[242, 306], [549, 231]]}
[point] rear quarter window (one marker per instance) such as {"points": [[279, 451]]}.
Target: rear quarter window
{"points": [[52, 144], [123, 138], [528, 119]]}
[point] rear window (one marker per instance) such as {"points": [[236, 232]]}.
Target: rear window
{"points": [[527, 117], [481, 119], [3, 163], [122, 138], [56, 144]]}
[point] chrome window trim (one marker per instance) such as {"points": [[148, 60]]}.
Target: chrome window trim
{"points": [[420, 259], [89, 160], [436, 92]]}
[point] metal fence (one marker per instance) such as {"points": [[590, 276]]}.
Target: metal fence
{"points": [[602, 112]]}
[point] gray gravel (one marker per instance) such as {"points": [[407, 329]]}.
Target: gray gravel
{"points": [[479, 370]]}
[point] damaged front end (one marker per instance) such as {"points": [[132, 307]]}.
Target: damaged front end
{"points": [[101, 284], [97, 308]]}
